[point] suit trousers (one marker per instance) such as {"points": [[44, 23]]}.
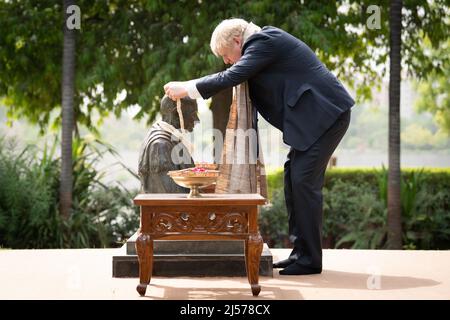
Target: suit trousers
{"points": [[304, 173]]}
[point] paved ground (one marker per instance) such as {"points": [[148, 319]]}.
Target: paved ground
{"points": [[348, 274]]}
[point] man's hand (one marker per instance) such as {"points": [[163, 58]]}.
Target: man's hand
{"points": [[176, 90]]}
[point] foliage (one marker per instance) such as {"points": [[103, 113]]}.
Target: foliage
{"points": [[354, 216], [428, 227], [273, 221], [127, 50], [355, 209], [419, 137], [275, 181], [102, 216], [434, 92], [369, 127]]}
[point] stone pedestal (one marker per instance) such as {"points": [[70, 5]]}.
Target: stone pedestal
{"points": [[207, 258]]}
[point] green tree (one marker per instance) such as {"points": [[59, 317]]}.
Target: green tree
{"points": [[434, 91], [136, 46]]}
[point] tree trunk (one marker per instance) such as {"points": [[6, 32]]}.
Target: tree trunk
{"points": [[220, 107], [394, 219], [67, 112]]}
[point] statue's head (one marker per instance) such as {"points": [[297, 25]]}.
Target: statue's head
{"points": [[170, 114]]}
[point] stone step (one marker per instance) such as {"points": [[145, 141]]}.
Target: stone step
{"points": [[190, 246], [170, 264]]}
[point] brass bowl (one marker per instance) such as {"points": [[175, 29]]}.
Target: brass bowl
{"points": [[194, 180], [208, 166]]}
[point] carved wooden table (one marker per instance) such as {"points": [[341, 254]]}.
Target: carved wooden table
{"points": [[213, 216]]}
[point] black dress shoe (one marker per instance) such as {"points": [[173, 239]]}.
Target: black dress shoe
{"points": [[283, 263], [298, 269]]}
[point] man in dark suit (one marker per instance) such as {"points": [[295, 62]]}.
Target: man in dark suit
{"points": [[297, 94]]}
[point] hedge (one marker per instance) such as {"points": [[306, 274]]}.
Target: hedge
{"points": [[355, 209]]}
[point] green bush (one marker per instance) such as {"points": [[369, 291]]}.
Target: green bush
{"points": [[355, 209], [273, 221], [353, 216], [102, 216]]}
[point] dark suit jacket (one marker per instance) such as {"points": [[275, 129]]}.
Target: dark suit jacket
{"points": [[288, 85]]}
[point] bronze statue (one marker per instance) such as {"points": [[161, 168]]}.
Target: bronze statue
{"points": [[164, 149]]}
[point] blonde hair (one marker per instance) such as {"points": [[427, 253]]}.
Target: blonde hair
{"points": [[223, 34]]}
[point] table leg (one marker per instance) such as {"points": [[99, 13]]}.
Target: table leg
{"points": [[253, 250], [144, 248]]}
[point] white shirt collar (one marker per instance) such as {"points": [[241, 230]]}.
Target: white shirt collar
{"points": [[249, 30]]}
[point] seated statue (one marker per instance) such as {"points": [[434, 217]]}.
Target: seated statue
{"points": [[164, 148]]}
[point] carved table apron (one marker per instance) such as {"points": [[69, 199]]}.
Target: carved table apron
{"points": [[213, 216]]}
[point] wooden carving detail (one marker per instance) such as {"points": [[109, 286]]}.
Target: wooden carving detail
{"points": [[179, 218], [255, 246], [199, 222], [253, 250], [229, 222], [144, 248], [170, 222]]}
